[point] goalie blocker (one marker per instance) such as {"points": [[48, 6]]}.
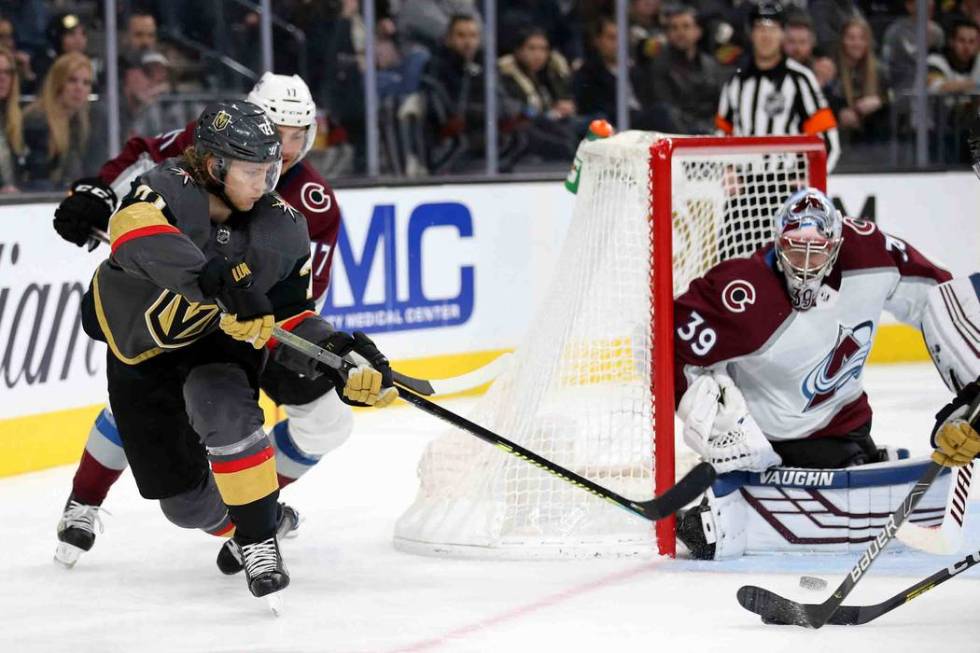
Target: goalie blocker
{"points": [[797, 510]]}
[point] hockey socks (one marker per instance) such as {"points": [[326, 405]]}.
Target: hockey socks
{"points": [[249, 487], [291, 461], [103, 461]]}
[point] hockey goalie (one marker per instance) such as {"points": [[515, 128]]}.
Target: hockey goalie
{"points": [[769, 356]]}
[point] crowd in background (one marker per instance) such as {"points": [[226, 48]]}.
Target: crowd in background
{"points": [[556, 73]]}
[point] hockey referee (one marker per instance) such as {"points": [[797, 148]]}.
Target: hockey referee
{"points": [[773, 95]]}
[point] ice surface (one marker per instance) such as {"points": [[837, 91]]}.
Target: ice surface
{"points": [[147, 586]]}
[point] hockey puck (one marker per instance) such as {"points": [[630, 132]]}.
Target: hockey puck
{"points": [[812, 583]]}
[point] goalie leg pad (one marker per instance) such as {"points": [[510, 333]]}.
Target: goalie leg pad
{"points": [[951, 328], [794, 510]]}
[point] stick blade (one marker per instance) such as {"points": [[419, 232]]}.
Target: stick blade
{"points": [[695, 483], [773, 609]]}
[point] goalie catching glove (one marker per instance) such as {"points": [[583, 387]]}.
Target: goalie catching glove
{"points": [[956, 440], [718, 426], [248, 313], [89, 205]]}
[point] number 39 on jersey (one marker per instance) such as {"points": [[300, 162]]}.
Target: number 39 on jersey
{"points": [[696, 331]]}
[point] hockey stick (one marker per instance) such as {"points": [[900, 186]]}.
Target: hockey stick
{"points": [[775, 609], [947, 538], [855, 615], [692, 485]]}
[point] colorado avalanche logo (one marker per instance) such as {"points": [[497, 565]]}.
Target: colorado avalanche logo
{"points": [[841, 365], [315, 197]]}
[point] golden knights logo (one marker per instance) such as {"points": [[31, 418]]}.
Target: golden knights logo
{"points": [[222, 120], [285, 207], [175, 322]]}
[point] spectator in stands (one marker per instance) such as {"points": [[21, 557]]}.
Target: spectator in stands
{"points": [[58, 130], [898, 50], [514, 16], [66, 34], [22, 58], [957, 68], [453, 88], [682, 77], [594, 84], [800, 44], [647, 37], [144, 79], [969, 9], [538, 80], [861, 91], [426, 22], [829, 17], [12, 131], [141, 32]]}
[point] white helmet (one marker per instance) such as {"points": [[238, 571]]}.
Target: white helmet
{"points": [[808, 239], [288, 102]]}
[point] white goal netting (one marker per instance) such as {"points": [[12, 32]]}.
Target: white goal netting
{"points": [[579, 389]]}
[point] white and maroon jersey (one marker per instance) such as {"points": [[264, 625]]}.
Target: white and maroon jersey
{"points": [[301, 186], [800, 371]]}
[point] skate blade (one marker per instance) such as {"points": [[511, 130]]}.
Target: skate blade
{"points": [[67, 555], [274, 601]]}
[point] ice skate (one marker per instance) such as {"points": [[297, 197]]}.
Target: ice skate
{"points": [[76, 531], [265, 571], [230, 556]]}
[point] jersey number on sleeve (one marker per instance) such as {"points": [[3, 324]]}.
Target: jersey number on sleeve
{"points": [[701, 336]]}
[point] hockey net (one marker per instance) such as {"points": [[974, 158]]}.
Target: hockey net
{"points": [[591, 386]]}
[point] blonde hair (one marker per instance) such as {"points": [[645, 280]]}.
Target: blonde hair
{"points": [[868, 64], [48, 104], [13, 118]]}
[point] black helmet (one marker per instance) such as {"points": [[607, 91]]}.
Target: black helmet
{"points": [[767, 10], [238, 130]]}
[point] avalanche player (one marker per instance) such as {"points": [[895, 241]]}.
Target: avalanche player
{"points": [[770, 352], [318, 421]]}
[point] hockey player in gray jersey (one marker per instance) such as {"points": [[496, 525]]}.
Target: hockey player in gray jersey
{"points": [[205, 260]]}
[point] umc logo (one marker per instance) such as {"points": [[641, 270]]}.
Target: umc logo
{"points": [[380, 298], [843, 363]]}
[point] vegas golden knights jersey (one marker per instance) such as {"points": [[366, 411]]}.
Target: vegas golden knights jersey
{"points": [[147, 298]]}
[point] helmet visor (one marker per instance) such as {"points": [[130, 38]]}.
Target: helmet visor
{"points": [[252, 179]]}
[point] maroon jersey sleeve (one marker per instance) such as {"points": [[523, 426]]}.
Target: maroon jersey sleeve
{"points": [[866, 247], [158, 148], [731, 311], [306, 190]]}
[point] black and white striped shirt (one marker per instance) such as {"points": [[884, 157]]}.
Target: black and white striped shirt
{"points": [[784, 100]]}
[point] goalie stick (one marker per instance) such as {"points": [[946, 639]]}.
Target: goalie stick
{"points": [[428, 387], [855, 615], [692, 485], [775, 609], [948, 537]]}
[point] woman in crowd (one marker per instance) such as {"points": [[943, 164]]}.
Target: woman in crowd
{"points": [[11, 123], [58, 127], [860, 92]]}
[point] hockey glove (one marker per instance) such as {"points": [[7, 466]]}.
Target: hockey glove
{"points": [[88, 206], [718, 426], [248, 312], [956, 440], [368, 384]]}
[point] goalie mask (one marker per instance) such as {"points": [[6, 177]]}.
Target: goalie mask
{"points": [[807, 241], [288, 102]]}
